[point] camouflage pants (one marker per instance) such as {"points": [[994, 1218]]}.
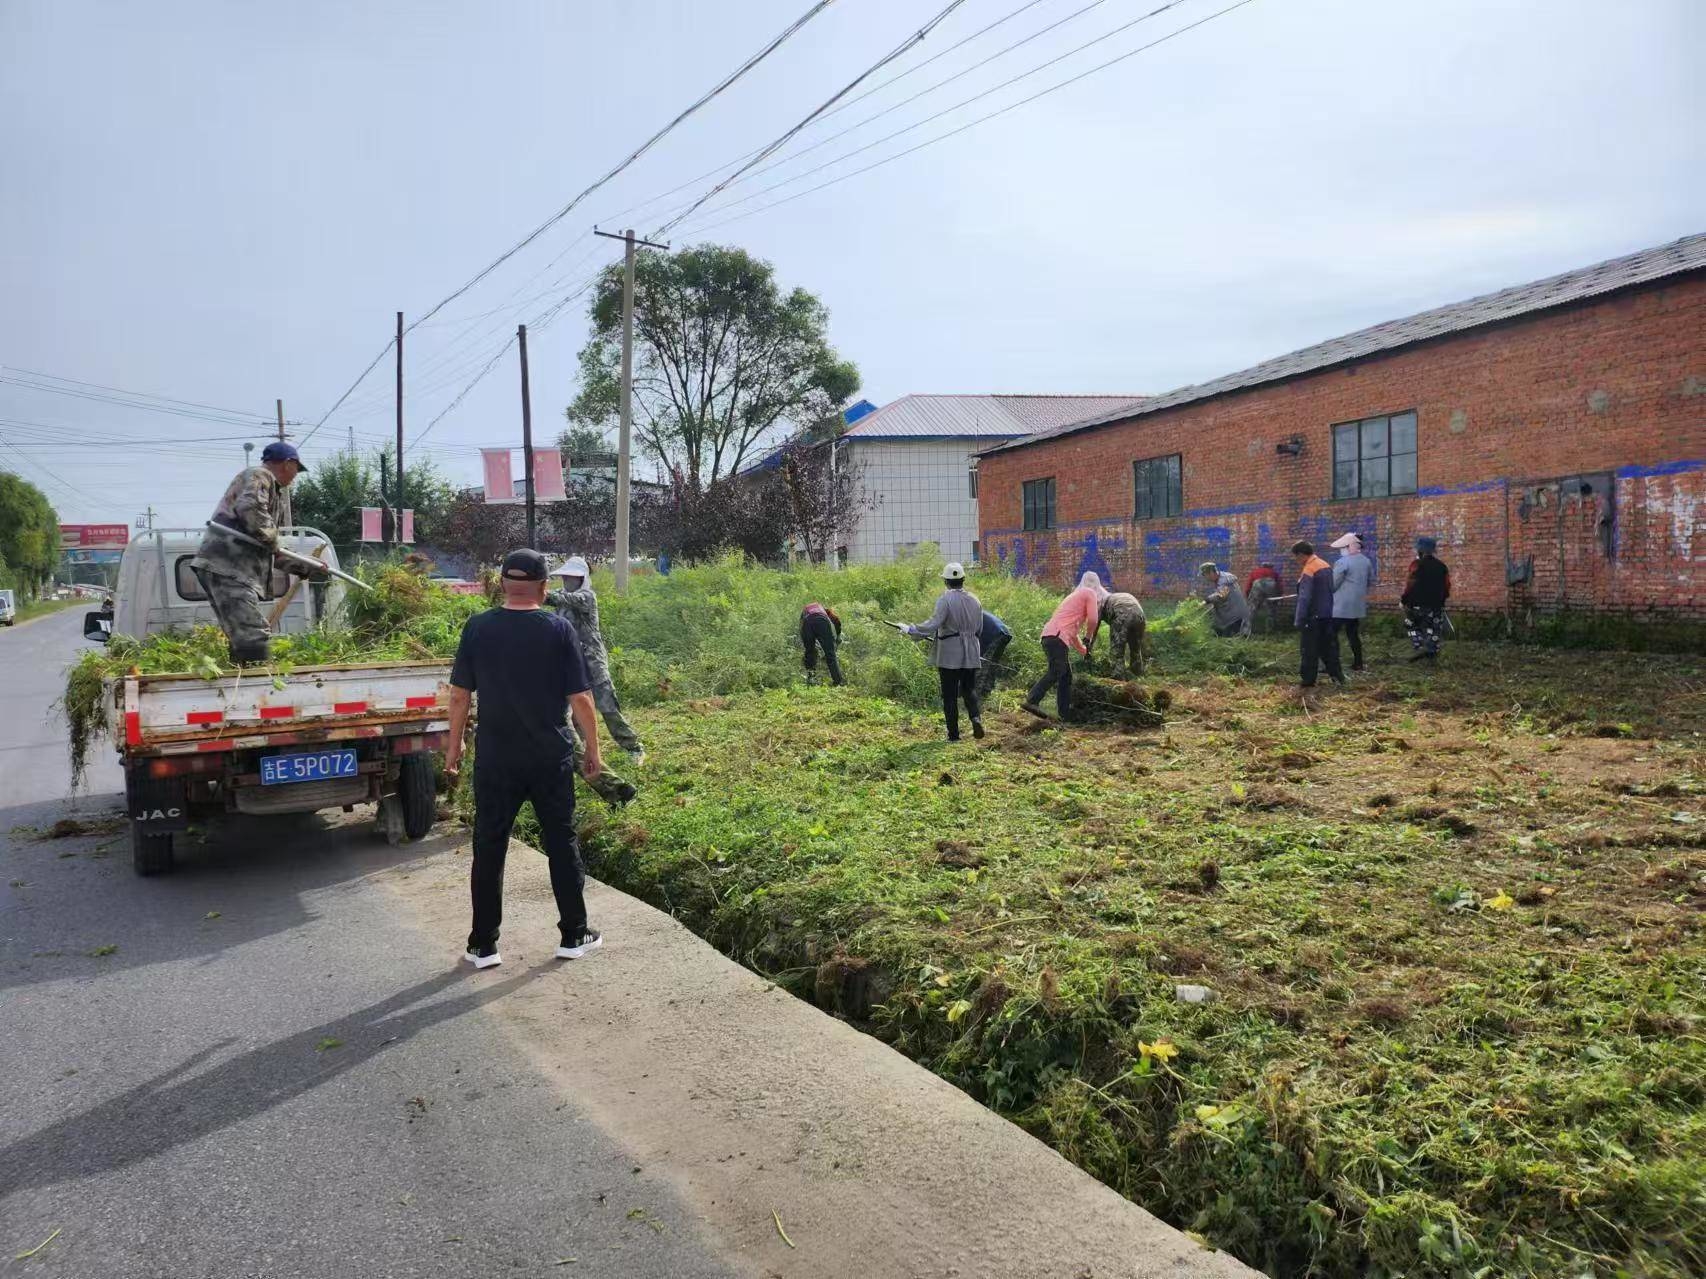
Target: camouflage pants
{"points": [[1127, 638], [236, 604], [604, 698]]}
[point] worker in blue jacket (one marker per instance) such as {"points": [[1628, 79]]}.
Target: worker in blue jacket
{"points": [[1317, 641], [994, 639]]}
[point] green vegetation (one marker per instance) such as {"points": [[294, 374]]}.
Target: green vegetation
{"points": [[405, 617], [29, 536], [40, 608], [1451, 918]]}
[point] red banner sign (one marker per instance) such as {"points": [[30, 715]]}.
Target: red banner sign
{"points": [[93, 535]]}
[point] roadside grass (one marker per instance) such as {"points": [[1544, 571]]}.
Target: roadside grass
{"points": [[41, 608], [1451, 919]]}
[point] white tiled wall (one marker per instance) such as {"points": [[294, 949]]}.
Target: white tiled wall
{"points": [[921, 496]]}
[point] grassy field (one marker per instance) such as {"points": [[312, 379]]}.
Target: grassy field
{"points": [[1451, 919], [41, 608]]}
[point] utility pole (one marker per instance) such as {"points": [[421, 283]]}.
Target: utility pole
{"points": [[288, 518], [527, 434], [397, 518], [625, 429], [146, 519]]}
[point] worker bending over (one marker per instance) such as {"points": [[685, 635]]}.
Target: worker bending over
{"points": [[992, 640], [233, 571], [1072, 628], [1261, 589], [1229, 610], [1126, 624], [956, 655], [820, 630]]}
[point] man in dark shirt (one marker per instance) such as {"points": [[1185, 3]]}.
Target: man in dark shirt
{"points": [[525, 662]]}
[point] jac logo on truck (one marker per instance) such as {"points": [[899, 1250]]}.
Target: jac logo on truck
{"points": [[159, 814]]}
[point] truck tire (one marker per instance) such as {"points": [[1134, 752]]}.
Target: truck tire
{"points": [[151, 854], [417, 788]]}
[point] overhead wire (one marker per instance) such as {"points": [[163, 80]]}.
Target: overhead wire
{"points": [[970, 124], [948, 110], [140, 395], [782, 139]]}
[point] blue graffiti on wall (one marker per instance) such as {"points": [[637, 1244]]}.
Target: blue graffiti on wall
{"points": [[1172, 556], [1092, 560]]}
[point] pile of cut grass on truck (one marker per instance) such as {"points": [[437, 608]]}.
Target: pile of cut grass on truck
{"points": [[1451, 918], [404, 617]]}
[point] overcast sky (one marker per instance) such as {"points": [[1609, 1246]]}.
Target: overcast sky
{"points": [[227, 203]]}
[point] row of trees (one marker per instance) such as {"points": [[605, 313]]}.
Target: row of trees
{"points": [[330, 496], [29, 536]]}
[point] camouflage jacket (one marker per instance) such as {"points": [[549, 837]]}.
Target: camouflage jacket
{"points": [[250, 504], [581, 608], [1120, 610]]}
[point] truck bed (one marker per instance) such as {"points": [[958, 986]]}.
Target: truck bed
{"points": [[183, 714]]}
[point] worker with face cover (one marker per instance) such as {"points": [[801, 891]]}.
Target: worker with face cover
{"points": [[1072, 629], [575, 602], [1353, 573], [957, 653]]}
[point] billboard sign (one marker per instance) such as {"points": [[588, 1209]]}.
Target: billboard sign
{"points": [[93, 535]]}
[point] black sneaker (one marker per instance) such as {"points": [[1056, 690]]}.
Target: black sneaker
{"points": [[483, 956], [977, 728], [578, 944]]}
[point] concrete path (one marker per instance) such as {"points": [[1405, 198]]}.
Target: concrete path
{"points": [[280, 1070]]}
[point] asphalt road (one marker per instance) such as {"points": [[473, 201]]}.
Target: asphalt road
{"points": [[269, 1074]]}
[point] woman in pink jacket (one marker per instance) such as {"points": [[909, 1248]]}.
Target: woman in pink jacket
{"points": [[1073, 626]]}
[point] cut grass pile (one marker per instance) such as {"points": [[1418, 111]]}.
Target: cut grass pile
{"points": [[1451, 919], [405, 617]]}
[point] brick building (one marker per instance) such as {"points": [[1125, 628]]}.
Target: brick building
{"points": [[1552, 436]]}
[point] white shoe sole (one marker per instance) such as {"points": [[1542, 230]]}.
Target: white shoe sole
{"points": [[576, 952], [483, 961]]}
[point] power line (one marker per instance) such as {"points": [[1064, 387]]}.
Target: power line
{"points": [[771, 147], [876, 88], [948, 110], [116, 401], [328, 413], [64, 484], [141, 395], [970, 124]]}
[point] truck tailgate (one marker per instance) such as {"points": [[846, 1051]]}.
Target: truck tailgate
{"points": [[174, 713]]}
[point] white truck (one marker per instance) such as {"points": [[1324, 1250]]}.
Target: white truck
{"points": [[8, 608], [318, 737]]}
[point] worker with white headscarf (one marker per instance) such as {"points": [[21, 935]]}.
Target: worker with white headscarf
{"points": [[576, 602], [1353, 573], [1073, 626]]}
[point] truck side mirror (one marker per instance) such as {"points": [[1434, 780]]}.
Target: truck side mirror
{"points": [[98, 627]]}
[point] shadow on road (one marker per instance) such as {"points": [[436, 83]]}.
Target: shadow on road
{"points": [[246, 878], [184, 1104]]}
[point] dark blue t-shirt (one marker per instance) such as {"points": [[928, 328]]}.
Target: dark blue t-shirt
{"points": [[524, 664], [993, 628]]}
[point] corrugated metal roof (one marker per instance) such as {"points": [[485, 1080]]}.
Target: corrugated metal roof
{"points": [[1645, 267], [979, 416]]}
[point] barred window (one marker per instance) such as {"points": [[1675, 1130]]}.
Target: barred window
{"points": [[1039, 503], [1159, 486]]}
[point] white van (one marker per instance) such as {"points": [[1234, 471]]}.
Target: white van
{"points": [[8, 608], [157, 592]]}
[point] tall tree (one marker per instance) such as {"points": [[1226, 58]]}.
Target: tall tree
{"points": [[29, 533], [723, 360], [578, 442]]}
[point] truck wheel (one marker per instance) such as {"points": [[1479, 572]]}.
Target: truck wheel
{"points": [[151, 854], [417, 788]]}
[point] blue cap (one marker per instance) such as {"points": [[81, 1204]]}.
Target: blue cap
{"points": [[282, 451]]}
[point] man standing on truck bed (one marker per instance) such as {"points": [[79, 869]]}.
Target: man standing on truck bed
{"points": [[234, 574], [525, 662]]}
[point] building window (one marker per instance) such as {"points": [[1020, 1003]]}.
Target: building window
{"points": [[974, 550], [1039, 504], [971, 479], [1375, 457], [1160, 490]]}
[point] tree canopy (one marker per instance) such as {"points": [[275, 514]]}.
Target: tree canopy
{"points": [[723, 360], [29, 534], [330, 496]]}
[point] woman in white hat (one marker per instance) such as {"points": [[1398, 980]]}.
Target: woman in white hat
{"points": [[1353, 573]]}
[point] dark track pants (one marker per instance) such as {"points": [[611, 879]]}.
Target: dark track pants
{"points": [[499, 792], [990, 670], [1351, 628], [816, 633], [1058, 677], [1318, 645], [957, 684]]}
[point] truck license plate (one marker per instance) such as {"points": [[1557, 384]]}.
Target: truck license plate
{"points": [[309, 766]]}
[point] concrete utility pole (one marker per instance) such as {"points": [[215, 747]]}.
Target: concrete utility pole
{"points": [[625, 428], [288, 518], [397, 507], [527, 434], [146, 519]]}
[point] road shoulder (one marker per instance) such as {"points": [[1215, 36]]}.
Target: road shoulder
{"points": [[753, 1103]]}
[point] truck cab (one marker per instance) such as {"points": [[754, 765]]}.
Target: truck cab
{"points": [[157, 592]]}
